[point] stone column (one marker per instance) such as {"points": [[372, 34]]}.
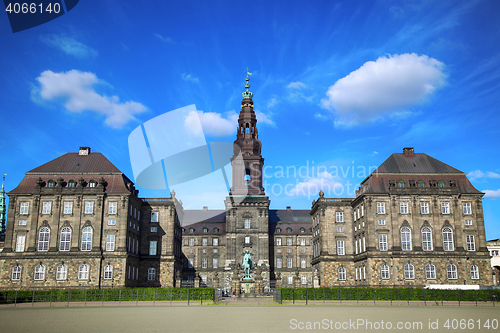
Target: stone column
{"points": [[197, 280], [315, 279]]}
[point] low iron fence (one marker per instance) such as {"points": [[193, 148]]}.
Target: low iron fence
{"points": [[386, 295], [120, 296]]}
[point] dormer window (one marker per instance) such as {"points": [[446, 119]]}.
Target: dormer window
{"points": [[401, 184], [278, 230], [216, 230], [92, 183], [441, 184], [51, 183], [302, 230], [288, 229], [191, 230], [205, 230], [421, 183], [71, 183]]}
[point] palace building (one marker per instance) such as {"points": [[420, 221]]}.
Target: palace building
{"points": [[77, 221]]}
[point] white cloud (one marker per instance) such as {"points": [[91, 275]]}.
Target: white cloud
{"points": [[384, 87], [297, 85], [69, 45], [164, 39], [320, 116], [190, 78], [312, 185], [272, 102], [216, 124], [76, 88], [491, 194], [473, 175]]}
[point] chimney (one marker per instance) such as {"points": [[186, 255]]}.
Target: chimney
{"points": [[288, 208], [84, 151], [408, 151], [205, 208]]}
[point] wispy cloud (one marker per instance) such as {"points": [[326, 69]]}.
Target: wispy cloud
{"points": [[312, 185], [297, 85], [75, 88], [189, 78], [474, 175], [321, 117], [69, 45], [272, 102], [383, 87], [217, 124], [491, 194], [167, 40]]}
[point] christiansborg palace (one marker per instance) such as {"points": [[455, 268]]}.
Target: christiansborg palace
{"points": [[77, 221]]}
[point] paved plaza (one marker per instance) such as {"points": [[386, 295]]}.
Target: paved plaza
{"points": [[249, 318]]}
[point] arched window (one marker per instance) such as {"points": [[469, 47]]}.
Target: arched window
{"points": [[409, 271], [87, 239], [451, 271], [401, 183], [288, 229], [430, 271], [302, 230], [151, 274], [405, 239], [16, 273], [51, 183], [62, 272], [92, 183], [191, 230], [83, 272], [474, 272], [205, 230], [39, 272], [384, 272], [247, 179], [441, 184], [447, 239], [426, 239], [278, 230], [247, 223], [71, 183], [65, 241], [43, 239], [421, 183], [108, 272], [342, 273], [216, 230]]}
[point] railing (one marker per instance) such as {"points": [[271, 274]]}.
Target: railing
{"points": [[155, 199], [386, 296], [82, 297], [338, 199]]}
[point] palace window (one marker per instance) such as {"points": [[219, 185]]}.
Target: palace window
{"points": [[471, 245], [409, 272], [204, 262], [111, 222], [279, 263], [278, 241], [445, 208], [247, 224], [216, 230], [401, 184], [384, 272], [278, 230], [467, 208], [191, 242], [302, 230], [303, 279], [108, 272], [426, 239], [441, 184], [340, 248], [302, 242], [20, 243], [339, 217], [83, 272], [43, 239], [247, 239], [289, 241], [382, 242], [406, 239], [430, 272], [451, 271], [215, 263], [154, 218], [71, 183], [468, 222], [191, 230], [474, 272], [87, 239], [89, 207], [289, 262], [380, 207], [215, 242], [68, 207], [151, 274], [424, 207], [290, 280], [46, 207], [92, 183], [288, 229], [153, 229], [110, 242], [65, 241], [340, 229], [403, 206], [152, 247], [342, 274], [447, 239], [190, 263], [16, 273], [62, 272], [381, 222], [205, 230], [24, 208], [39, 272], [23, 222], [204, 241], [421, 183], [112, 207], [303, 263]]}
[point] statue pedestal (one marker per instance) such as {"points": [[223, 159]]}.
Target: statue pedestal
{"points": [[247, 286]]}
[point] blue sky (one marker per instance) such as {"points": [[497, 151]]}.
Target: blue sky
{"points": [[338, 85]]}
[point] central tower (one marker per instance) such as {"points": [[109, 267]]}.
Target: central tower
{"points": [[247, 206]]}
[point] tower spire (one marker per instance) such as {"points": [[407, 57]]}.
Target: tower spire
{"points": [[247, 170], [3, 209]]}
